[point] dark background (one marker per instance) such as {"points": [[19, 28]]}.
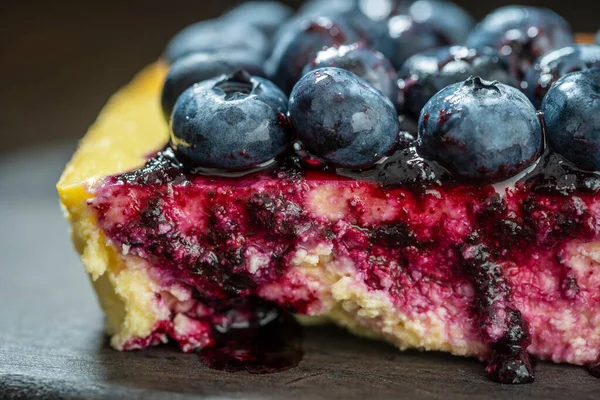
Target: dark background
{"points": [[61, 60]]}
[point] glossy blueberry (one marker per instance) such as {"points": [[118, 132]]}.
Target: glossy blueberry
{"points": [[342, 119], [347, 13], [371, 31], [264, 15], [366, 63], [381, 10], [450, 20], [405, 37], [410, 27], [550, 67], [217, 35], [319, 8], [197, 67], [298, 43], [425, 74], [232, 122], [522, 34], [572, 114], [480, 131]]}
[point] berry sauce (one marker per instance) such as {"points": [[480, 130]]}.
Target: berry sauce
{"points": [[253, 335], [594, 369], [502, 324], [493, 258]]}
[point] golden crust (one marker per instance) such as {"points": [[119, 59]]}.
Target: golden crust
{"points": [[129, 128]]}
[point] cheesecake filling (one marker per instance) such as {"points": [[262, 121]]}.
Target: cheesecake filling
{"points": [[435, 265]]}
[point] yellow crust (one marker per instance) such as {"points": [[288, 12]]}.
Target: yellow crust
{"points": [[129, 128]]}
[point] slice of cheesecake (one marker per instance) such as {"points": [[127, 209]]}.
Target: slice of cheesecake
{"points": [[494, 272]]}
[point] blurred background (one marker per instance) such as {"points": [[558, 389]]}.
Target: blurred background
{"points": [[60, 60]]}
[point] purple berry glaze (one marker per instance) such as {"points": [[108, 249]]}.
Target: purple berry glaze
{"points": [[253, 335]]}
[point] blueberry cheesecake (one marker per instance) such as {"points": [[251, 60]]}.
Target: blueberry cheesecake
{"points": [[262, 172]]}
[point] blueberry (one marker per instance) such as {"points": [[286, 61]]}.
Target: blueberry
{"points": [[481, 131], [217, 35], [297, 44], [450, 20], [368, 20], [264, 15], [232, 122], [410, 27], [425, 74], [342, 119], [369, 32], [318, 8], [347, 13], [558, 63], [381, 10], [366, 63], [572, 113], [197, 67], [405, 37], [522, 34]]}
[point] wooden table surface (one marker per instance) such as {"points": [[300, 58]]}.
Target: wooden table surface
{"points": [[52, 343]]}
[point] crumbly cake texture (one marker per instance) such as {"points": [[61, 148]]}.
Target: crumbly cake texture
{"points": [[145, 305]]}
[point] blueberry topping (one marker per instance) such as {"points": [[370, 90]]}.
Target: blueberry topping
{"points": [[233, 122], [298, 43], [406, 140], [342, 118], [425, 74], [480, 130], [217, 35], [316, 8], [264, 15], [347, 13], [451, 20], [198, 67], [381, 10], [522, 34], [572, 114], [403, 168], [550, 67], [406, 28], [555, 175], [400, 28], [370, 32], [366, 63], [405, 37]]}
